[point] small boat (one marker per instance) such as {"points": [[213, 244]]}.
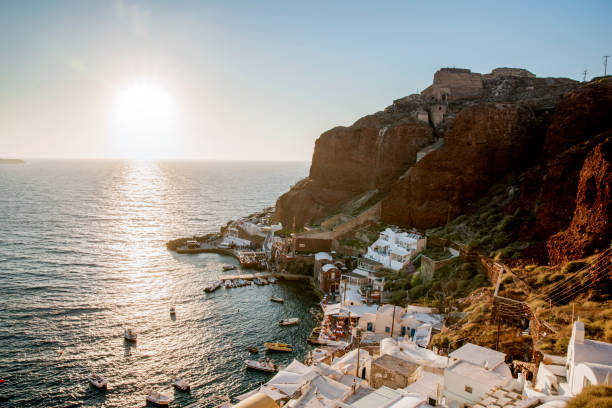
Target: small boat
{"points": [[272, 279], [277, 299], [212, 286], [278, 346], [172, 310], [264, 281], [253, 350], [262, 365], [289, 322], [130, 334], [229, 284], [228, 267], [97, 380], [159, 398], [181, 384], [257, 281]]}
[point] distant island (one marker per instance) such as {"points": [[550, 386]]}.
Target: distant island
{"points": [[11, 161]]}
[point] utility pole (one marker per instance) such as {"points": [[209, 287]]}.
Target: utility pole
{"points": [[358, 345], [344, 298], [392, 322], [497, 342], [584, 74], [605, 58]]}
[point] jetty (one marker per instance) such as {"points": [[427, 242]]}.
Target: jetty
{"points": [[265, 275]]}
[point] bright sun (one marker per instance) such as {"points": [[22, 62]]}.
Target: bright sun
{"points": [[144, 116]]}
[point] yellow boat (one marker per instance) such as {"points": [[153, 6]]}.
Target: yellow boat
{"points": [[278, 346]]}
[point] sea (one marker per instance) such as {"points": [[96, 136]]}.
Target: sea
{"points": [[82, 255]]}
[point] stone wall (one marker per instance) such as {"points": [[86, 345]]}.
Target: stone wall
{"points": [[455, 83]]}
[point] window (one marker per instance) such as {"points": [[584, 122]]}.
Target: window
{"points": [[432, 402], [387, 329], [468, 389], [586, 382]]}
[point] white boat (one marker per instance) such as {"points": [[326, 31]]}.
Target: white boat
{"points": [[159, 398], [267, 365], [277, 299], [272, 279], [130, 334], [257, 281], [181, 384], [97, 380], [240, 282], [264, 281], [212, 286], [289, 322], [229, 284], [228, 267]]}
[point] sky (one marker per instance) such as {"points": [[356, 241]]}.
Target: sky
{"points": [[254, 80]]}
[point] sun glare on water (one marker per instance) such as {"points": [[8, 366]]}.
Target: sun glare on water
{"points": [[144, 117]]}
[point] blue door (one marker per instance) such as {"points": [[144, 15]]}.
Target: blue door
{"points": [[370, 328], [412, 332]]}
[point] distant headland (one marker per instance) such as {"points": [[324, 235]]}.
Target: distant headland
{"points": [[11, 161]]}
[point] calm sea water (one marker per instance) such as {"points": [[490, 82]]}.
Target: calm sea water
{"points": [[82, 254]]}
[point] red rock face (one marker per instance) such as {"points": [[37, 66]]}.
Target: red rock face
{"points": [[581, 114], [348, 162], [591, 225], [549, 190], [486, 142]]}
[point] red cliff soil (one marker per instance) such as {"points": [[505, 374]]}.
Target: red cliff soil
{"points": [[348, 162], [486, 142], [581, 114], [549, 190], [591, 226]]}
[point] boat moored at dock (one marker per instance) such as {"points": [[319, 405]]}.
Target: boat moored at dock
{"points": [[277, 299], [212, 286], [181, 384], [130, 334], [289, 322], [271, 346], [266, 365], [97, 381], [159, 398]]}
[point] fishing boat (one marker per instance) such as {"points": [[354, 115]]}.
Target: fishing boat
{"points": [[229, 267], [277, 299], [97, 380], [264, 281], [267, 365], [130, 334], [229, 284], [272, 279], [181, 384], [278, 346], [212, 286], [289, 322], [253, 350], [257, 281], [159, 398]]}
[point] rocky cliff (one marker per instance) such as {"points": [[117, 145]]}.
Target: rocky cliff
{"points": [[428, 158]]}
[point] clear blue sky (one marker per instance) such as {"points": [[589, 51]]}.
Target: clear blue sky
{"points": [[259, 79]]}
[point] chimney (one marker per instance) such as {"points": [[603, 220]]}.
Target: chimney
{"points": [[578, 333]]}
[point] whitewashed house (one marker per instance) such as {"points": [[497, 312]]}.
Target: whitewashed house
{"points": [[472, 373], [395, 249]]}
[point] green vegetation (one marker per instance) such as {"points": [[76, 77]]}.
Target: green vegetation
{"points": [[437, 253], [300, 267], [491, 230], [449, 283], [598, 396], [364, 235]]}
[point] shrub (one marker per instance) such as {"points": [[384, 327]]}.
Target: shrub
{"points": [[574, 266], [598, 396]]}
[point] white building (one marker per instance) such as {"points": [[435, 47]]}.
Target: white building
{"points": [[588, 362], [395, 249], [473, 372]]}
